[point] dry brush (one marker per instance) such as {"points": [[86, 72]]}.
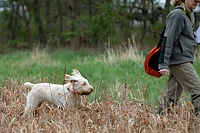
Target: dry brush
{"points": [[108, 115]]}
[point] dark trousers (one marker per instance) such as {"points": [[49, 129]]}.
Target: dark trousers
{"points": [[182, 77]]}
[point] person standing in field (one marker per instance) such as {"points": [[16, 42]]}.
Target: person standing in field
{"points": [[177, 56]]}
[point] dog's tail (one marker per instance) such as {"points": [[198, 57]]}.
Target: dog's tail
{"points": [[28, 85]]}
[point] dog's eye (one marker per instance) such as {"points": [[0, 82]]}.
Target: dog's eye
{"points": [[84, 83], [74, 81]]}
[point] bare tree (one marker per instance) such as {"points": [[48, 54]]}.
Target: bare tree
{"points": [[91, 7], [13, 23], [38, 22], [60, 27], [167, 7], [25, 6]]}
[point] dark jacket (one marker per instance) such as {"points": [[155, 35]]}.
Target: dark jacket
{"points": [[179, 43]]}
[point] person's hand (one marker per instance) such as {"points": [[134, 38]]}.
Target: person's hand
{"points": [[164, 72]]}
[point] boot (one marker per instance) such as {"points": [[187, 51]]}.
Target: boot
{"points": [[159, 111], [197, 112]]}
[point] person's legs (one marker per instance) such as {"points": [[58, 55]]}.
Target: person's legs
{"points": [[188, 79], [171, 94]]}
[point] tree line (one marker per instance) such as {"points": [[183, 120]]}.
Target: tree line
{"points": [[79, 23]]}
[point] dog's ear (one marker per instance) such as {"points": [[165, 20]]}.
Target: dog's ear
{"points": [[76, 73], [68, 77]]}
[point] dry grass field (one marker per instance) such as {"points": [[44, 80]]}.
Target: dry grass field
{"points": [[106, 116], [127, 106]]}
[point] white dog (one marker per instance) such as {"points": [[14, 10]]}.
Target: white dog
{"points": [[57, 94]]}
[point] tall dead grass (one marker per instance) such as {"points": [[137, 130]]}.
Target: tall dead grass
{"points": [[128, 51], [41, 57], [38, 55], [107, 116]]}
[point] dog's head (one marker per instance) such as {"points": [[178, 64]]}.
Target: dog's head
{"points": [[78, 83]]}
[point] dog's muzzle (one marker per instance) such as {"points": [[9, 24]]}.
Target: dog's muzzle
{"points": [[88, 92]]}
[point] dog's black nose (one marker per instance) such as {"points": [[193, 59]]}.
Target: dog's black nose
{"points": [[91, 89]]}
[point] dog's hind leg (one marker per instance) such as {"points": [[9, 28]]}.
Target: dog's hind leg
{"points": [[31, 108], [32, 104]]}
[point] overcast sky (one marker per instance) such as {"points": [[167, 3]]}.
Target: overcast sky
{"points": [[161, 1]]}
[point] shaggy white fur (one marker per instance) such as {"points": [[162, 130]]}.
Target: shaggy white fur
{"points": [[57, 94]]}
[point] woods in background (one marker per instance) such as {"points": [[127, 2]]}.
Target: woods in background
{"points": [[79, 23]]}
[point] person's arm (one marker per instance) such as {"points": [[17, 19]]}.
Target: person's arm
{"points": [[174, 27]]}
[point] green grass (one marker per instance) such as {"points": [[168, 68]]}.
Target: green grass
{"points": [[114, 73]]}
